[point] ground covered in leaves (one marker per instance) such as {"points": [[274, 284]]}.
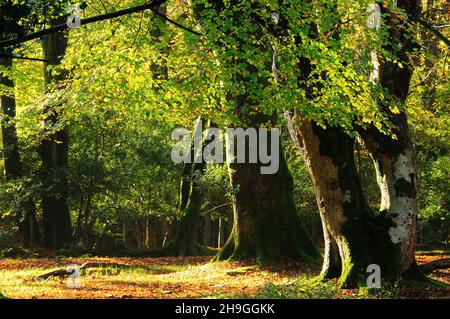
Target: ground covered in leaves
{"points": [[194, 277]]}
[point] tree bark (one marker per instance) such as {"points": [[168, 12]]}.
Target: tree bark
{"points": [[394, 159], [329, 156], [266, 225], [220, 231], [13, 168], [53, 151], [395, 227]]}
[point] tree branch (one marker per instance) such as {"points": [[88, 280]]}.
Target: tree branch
{"points": [[21, 58], [433, 30], [214, 208], [175, 23], [63, 26]]}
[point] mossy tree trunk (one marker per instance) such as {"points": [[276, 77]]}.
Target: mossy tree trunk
{"points": [[328, 154], [13, 167], [53, 150], [266, 224], [185, 242]]}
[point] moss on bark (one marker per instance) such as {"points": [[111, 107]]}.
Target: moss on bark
{"points": [[266, 224]]}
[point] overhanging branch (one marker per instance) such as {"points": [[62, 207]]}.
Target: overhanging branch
{"points": [[433, 30], [21, 58], [63, 26], [174, 22]]}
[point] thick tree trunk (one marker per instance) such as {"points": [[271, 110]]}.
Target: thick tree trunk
{"points": [[26, 215], [266, 224], [394, 160], [329, 156], [395, 166], [53, 150]]}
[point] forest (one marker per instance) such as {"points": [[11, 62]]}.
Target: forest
{"points": [[225, 149]]}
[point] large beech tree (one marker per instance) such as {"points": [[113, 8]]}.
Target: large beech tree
{"points": [[328, 153], [350, 227], [266, 224]]}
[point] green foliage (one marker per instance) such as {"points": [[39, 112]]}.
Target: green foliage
{"points": [[435, 187], [214, 182], [131, 80], [304, 288], [428, 108]]}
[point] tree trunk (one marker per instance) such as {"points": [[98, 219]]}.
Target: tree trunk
{"points": [[395, 167], [266, 224], [13, 169], [185, 242], [329, 156], [53, 151], [394, 159], [207, 230], [138, 234], [125, 234], [220, 231]]}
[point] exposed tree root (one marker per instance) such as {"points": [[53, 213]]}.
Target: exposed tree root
{"points": [[434, 265]]}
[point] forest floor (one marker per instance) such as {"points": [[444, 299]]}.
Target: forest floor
{"points": [[195, 277]]}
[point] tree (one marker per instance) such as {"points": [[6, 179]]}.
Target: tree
{"points": [[394, 156], [266, 224], [329, 154], [12, 20], [185, 242], [53, 149]]}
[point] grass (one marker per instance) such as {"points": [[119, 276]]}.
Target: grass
{"points": [[158, 278], [193, 277], [305, 288]]}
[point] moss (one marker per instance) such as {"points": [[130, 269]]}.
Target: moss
{"points": [[268, 227], [353, 264], [227, 250]]}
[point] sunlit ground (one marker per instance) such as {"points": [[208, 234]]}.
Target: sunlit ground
{"points": [[193, 277]]}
